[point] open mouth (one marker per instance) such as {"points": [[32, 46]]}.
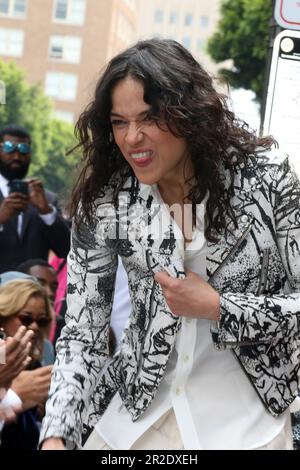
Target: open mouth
{"points": [[142, 158]]}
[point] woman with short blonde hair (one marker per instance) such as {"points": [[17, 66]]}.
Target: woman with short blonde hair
{"points": [[16, 298], [10, 303]]}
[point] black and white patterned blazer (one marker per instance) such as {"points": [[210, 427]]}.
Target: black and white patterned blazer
{"points": [[255, 268]]}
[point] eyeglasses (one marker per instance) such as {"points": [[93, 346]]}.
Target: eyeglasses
{"points": [[10, 147], [27, 320]]}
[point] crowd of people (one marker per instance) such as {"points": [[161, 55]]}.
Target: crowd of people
{"points": [[169, 317], [34, 244]]}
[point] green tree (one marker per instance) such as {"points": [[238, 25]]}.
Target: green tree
{"points": [[61, 168], [28, 106], [242, 36]]}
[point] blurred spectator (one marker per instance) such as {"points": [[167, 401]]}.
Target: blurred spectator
{"points": [[13, 359], [24, 302], [14, 351], [46, 276], [30, 219], [44, 273]]}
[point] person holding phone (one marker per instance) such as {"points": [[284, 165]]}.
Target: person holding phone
{"points": [[205, 216], [30, 219]]}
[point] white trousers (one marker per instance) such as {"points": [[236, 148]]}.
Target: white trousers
{"points": [[164, 435]]}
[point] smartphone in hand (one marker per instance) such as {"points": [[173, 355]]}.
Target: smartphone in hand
{"points": [[19, 186]]}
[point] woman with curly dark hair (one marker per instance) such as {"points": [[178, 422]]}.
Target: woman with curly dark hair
{"points": [[206, 218]]}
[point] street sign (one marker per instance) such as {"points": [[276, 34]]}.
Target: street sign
{"points": [[287, 13], [282, 116]]}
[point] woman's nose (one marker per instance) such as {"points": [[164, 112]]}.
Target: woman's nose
{"points": [[34, 326], [134, 134]]}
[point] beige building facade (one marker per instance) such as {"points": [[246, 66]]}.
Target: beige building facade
{"points": [[190, 22], [63, 44]]}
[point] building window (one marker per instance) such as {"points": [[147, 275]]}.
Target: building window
{"points": [[61, 86], [4, 7], [13, 8], [204, 21], [65, 48], [70, 11], [64, 115], [158, 16], [200, 45], [186, 42], [188, 20], [173, 17], [11, 42]]}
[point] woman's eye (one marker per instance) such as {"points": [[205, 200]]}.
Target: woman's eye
{"points": [[118, 123], [148, 118]]}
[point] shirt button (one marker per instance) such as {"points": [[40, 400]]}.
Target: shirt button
{"points": [[244, 218], [186, 358], [252, 181]]}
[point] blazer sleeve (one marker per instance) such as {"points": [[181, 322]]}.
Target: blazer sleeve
{"points": [[247, 318], [82, 349]]}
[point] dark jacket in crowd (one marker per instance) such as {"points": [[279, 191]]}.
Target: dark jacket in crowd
{"points": [[36, 239]]}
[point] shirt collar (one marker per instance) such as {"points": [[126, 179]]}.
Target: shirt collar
{"points": [[4, 185]]}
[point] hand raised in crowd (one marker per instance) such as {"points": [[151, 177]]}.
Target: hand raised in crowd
{"points": [[9, 413], [14, 350], [38, 197], [32, 386], [12, 205]]}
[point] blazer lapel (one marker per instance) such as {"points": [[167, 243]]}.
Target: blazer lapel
{"points": [[246, 183], [220, 252], [159, 236]]}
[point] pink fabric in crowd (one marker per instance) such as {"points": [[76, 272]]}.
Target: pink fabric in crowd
{"points": [[61, 288]]}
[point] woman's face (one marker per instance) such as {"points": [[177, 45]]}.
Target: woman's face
{"points": [[154, 153], [34, 316]]}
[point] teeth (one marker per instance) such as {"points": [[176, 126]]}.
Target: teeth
{"points": [[136, 156]]}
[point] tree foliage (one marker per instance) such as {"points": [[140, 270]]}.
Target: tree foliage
{"points": [[242, 36], [28, 106]]}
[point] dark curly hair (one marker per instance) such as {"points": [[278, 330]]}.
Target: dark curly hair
{"points": [[180, 92]]}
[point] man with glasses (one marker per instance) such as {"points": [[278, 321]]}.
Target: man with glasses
{"points": [[30, 220]]}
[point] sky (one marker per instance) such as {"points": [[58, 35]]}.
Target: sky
{"points": [[245, 107]]}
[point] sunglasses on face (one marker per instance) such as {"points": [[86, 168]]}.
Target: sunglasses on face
{"points": [[27, 320], [10, 147]]}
